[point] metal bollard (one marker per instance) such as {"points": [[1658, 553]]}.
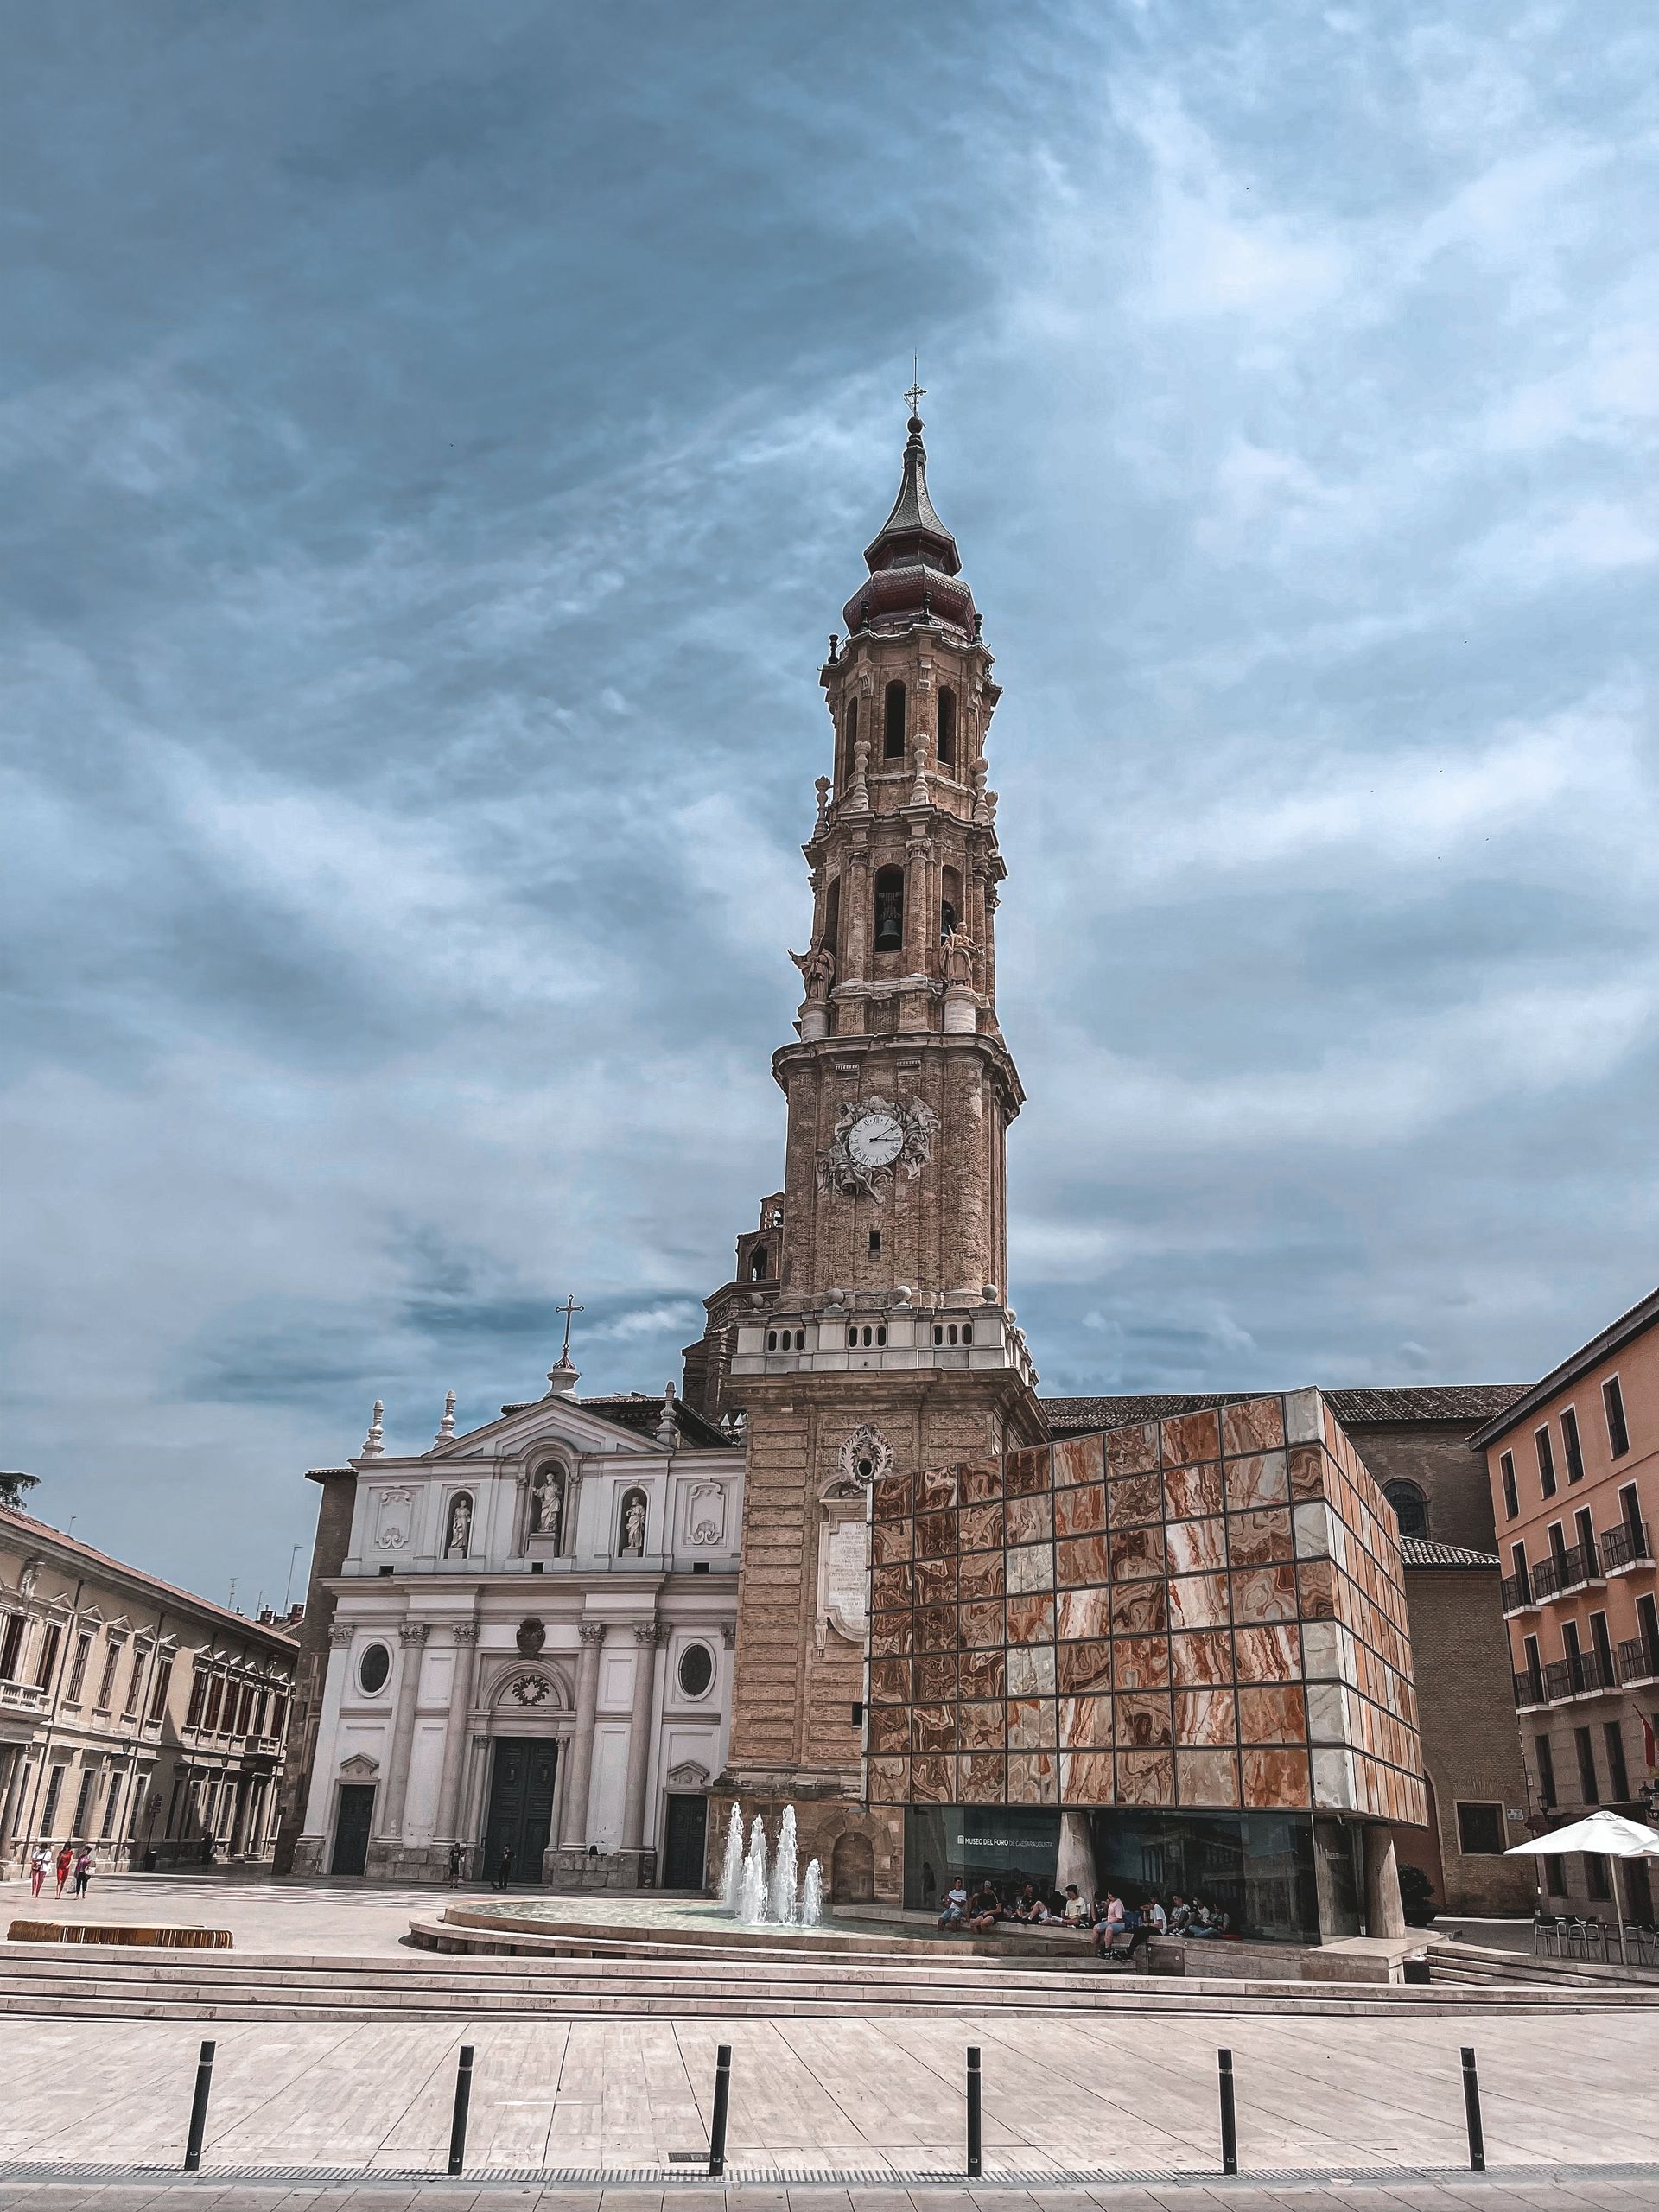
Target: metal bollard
{"points": [[974, 2110], [722, 2102], [463, 2105], [198, 2108], [1472, 2112], [1229, 2117]]}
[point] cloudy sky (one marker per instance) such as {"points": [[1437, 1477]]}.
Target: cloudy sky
{"points": [[435, 442]]}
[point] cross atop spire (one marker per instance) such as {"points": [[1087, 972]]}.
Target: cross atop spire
{"points": [[918, 391]]}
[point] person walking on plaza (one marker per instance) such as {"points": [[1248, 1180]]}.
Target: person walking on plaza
{"points": [[83, 1868], [504, 1867], [457, 1863], [65, 1860], [40, 1860]]}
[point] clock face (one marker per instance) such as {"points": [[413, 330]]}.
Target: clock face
{"points": [[875, 1140]]}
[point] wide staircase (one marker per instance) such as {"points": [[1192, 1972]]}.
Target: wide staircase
{"points": [[632, 1979]]}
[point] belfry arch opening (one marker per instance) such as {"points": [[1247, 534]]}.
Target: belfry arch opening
{"points": [[889, 910], [947, 727], [894, 749], [848, 741]]}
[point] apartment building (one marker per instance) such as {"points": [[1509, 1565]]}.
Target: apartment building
{"points": [[1573, 1465]]}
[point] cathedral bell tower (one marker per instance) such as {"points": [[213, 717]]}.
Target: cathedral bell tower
{"points": [[887, 1344]]}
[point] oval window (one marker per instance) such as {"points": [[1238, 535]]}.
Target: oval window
{"points": [[373, 1667], [696, 1670]]}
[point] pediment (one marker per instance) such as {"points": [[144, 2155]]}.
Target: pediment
{"points": [[358, 1767], [549, 1421], [688, 1775]]}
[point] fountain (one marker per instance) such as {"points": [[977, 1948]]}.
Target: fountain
{"points": [[812, 1896], [731, 1872], [752, 1883], [786, 1872]]}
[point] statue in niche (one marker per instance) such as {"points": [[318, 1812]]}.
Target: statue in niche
{"points": [[818, 972], [460, 1526], [959, 960], [547, 1504], [632, 1531]]}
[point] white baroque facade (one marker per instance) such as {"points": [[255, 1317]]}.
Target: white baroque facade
{"points": [[529, 1649]]}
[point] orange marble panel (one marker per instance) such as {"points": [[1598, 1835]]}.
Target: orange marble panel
{"points": [[1144, 1718], [1033, 1778], [1205, 1717], [889, 1780], [1146, 1777], [891, 1541], [1084, 1612], [890, 1681], [1028, 1520], [1272, 1716], [1256, 1425], [1133, 1553], [1081, 1560], [1086, 1779], [980, 1482], [982, 1623], [1191, 1436], [1197, 1547], [1275, 1780], [1263, 1479], [1085, 1724], [1140, 1662], [984, 1674], [1136, 1497], [932, 1728], [1191, 1492], [980, 1575], [1032, 1723], [936, 1677], [980, 1726], [1086, 1666], [936, 1534], [1024, 1472], [1198, 1601], [936, 1490], [1307, 1466], [984, 1778], [935, 1582], [1260, 1538], [890, 1635], [1031, 1618], [1205, 1658], [889, 1728], [1207, 1778], [1267, 1655], [1132, 1450], [981, 1528], [1079, 1512], [933, 1779], [1140, 1608], [895, 1497], [1316, 1590], [936, 1629], [1079, 1459], [1264, 1594]]}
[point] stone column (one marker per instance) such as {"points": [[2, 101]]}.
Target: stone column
{"points": [[1384, 1914], [1076, 1861], [573, 1825], [649, 1636], [572, 1501], [454, 1733], [412, 1636]]}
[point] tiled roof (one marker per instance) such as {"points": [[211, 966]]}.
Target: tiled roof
{"points": [[1423, 1551], [641, 1412], [1076, 1416], [1642, 1316], [23, 1528], [1425, 1401]]}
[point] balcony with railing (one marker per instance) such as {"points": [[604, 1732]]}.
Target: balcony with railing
{"points": [[1579, 1567], [1529, 1692], [24, 1697], [1639, 1662], [1626, 1548], [1545, 1576], [1518, 1593]]}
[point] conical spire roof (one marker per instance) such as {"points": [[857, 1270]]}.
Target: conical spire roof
{"points": [[915, 569], [913, 533]]}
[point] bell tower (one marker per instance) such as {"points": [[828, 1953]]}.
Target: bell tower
{"points": [[886, 1343]]}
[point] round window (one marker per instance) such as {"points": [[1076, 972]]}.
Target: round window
{"points": [[373, 1667], [696, 1670]]}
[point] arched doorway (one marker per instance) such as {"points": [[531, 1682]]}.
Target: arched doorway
{"points": [[852, 1870]]}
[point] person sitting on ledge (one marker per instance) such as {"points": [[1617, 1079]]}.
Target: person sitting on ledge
{"points": [[1180, 1915], [985, 1910], [956, 1903], [1028, 1904], [1075, 1912], [1201, 1923], [1156, 1919], [1109, 1921]]}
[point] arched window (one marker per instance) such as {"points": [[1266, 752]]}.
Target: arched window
{"points": [[1410, 1507], [760, 1264], [947, 728], [889, 910], [831, 938], [848, 741], [895, 748]]}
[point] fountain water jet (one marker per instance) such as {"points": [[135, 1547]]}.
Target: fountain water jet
{"points": [[786, 1872], [751, 1884], [812, 1896], [731, 1872]]}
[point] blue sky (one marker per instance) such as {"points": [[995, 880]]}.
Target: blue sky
{"points": [[435, 444]]}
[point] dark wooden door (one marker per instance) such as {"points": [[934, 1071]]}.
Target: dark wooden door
{"points": [[685, 1831], [352, 1819], [521, 1808]]}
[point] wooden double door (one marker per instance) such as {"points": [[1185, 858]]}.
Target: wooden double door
{"points": [[521, 1808]]}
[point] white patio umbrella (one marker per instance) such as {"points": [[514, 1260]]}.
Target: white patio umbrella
{"points": [[1607, 1836]]}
